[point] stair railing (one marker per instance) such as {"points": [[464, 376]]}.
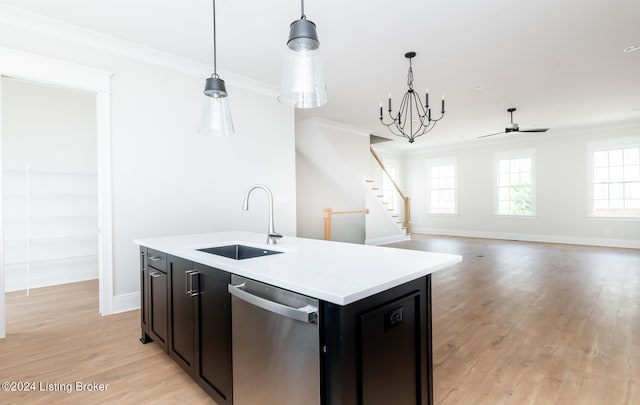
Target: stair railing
{"points": [[328, 213], [406, 223]]}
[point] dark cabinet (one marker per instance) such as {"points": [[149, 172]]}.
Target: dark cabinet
{"points": [[377, 350], [144, 296], [213, 334], [154, 297], [200, 325], [181, 313], [390, 352]]}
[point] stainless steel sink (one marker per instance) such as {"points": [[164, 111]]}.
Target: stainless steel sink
{"points": [[238, 252]]}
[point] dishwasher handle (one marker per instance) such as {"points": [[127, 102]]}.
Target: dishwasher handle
{"points": [[308, 313]]}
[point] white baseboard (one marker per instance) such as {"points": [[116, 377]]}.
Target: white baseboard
{"points": [[126, 302], [387, 239], [570, 240]]}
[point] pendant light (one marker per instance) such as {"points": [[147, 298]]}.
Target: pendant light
{"points": [[302, 84], [216, 114]]}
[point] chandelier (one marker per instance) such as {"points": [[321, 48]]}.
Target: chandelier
{"points": [[413, 118]]}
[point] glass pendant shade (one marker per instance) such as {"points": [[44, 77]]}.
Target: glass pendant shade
{"points": [[216, 114], [302, 84]]}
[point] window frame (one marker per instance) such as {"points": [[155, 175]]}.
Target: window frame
{"points": [[443, 161], [512, 155], [601, 146]]}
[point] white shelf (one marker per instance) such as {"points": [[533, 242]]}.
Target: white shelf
{"points": [[47, 196], [52, 218], [50, 172], [68, 258], [54, 239]]}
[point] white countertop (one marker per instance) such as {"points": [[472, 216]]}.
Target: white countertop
{"points": [[336, 272]]}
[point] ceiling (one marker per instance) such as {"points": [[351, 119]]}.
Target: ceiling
{"points": [[561, 63]]}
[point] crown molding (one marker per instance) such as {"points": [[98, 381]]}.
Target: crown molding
{"points": [[50, 27], [336, 126], [628, 128], [24, 65]]}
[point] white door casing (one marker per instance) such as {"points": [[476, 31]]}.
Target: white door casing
{"points": [[41, 69]]}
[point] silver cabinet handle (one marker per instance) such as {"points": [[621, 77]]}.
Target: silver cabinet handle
{"points": [[194, 281], [155, 274], [155, 258], [308, 313], [142, 261], [187, 281], [191, 287]]}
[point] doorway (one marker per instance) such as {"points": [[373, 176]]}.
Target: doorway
{"points": [[39, 69], [49, 192]]}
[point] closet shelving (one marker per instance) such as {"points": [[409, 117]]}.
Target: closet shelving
{"points": [[50, 227]]}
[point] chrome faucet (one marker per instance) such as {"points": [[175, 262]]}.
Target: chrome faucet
{"points": [[273, 235]]}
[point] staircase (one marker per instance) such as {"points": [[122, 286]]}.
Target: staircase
{"points": [[386, 224]]}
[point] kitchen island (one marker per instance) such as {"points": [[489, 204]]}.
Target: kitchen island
{"points": [[370, 340]]}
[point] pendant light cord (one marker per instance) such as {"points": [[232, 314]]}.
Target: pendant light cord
{"points": [[215, 70], [303, 17]]}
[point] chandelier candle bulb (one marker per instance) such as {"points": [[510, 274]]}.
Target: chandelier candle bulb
{"points": [[389, 102], [426, 98], [381, 110], [443, 104]]}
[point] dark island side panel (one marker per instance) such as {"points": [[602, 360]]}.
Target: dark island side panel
{"points": [[378, 349]]}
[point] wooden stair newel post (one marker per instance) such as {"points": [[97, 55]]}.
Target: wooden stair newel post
{"points": [[327, 224], [407, 214]]}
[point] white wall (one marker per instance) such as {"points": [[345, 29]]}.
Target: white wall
{"points": [[167, 179], [561, 191], [53, 131], [332, 161]]}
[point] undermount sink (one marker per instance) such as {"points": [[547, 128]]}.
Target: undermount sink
{"points": [[238, 252]]}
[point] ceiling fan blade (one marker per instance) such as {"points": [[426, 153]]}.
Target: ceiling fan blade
{"points": [[497, 133], [535, 130]]}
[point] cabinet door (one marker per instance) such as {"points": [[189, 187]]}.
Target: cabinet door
{"points": [[158, 306], [144, 296], [391, 352], [213, 337], [181, 313]]}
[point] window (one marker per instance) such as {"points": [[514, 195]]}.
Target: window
{"points": [[515, 183], [616, 182], [442, 187]]}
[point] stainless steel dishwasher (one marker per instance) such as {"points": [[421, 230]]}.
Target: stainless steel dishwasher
{"points": [[275, 345]]}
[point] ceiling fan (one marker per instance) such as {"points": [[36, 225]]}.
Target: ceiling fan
{"points": [[513, 127]]}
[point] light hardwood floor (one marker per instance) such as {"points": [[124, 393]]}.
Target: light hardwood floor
{"points": [[514, 323], [57, 336], [531, 323]]}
